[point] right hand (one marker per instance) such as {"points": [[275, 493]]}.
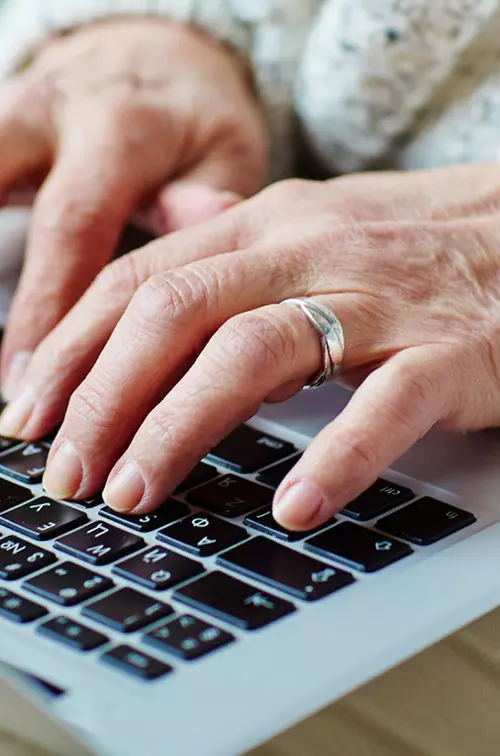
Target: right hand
{"points": [[110, 119]]}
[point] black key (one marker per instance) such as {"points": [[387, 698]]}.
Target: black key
{"points": [[26, 463], [287, 570], [8, 443], [230, 496], [68, 583], [72, 634], [233, 601], [275, 474], [246, 450], [11, 494], [202, 473], [169, 512], [43, 519], [426, 521], [100, 543], [158, 568], [203, 534], [18, 609], [188, 637], [89, 503], [127, 610], [19, 558], [264, 521], [377, 500], [358, 547], [136, 663]]}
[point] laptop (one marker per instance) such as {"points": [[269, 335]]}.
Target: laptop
{"points": [[204, 629]]}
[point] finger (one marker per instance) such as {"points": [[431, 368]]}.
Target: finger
{"points": [[394, 407], [167, 323], [246, 359], [77, 219], [68, 353], [227, 174]]}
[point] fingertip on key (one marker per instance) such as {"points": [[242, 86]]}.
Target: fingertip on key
{"points": [[17, 413], [125, 488], [297, 505], [64, 474], [15, 372]]}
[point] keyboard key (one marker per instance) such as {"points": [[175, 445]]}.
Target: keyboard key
{"points": [[231, 496], [89, 503], [203, 534], [264, 521], [68, 583], [72, 634], [202, 473], [426, 521], [377, 500], [11, 494], [100, 543], [26, 463], [136, 663], [247, 450], [8, 443], [284, 569], [358, 547], [188, 637], [275, 474], [169, 512], [234, 601], [158, 568], [126, 610], [18, 609], [43, 519], [18, 558]]}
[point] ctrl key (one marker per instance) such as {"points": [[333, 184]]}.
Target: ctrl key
{"points": [[136, 663], [18, 609]]}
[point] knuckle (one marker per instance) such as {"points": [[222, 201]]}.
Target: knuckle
{"points": [[257, 342], [73, 217], [88, 406], [172, 297], [362, 453]]}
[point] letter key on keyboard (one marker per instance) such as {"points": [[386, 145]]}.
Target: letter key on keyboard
{"points": [[11, 494], [170, 511], [246, 450], [358, 547], [203, 534], [126, 610], [230, 496], [426, 521], [71, 633], [264, 521], [188, 637], [136, 663], [68, 583], [43, 519], [202, 473], [158, 568], [26, 463], [287, 570], [18, 558], [234, 601], [18, 609], [100, 543], [377, 500], [275, 474]]}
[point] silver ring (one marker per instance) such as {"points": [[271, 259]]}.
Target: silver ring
{"points": [[331, 332]]}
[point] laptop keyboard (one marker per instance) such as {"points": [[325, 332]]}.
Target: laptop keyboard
{"points": [[210, 564]]}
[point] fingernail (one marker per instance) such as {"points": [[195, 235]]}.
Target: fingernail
{"points": [[17, 413], [64, 473], [15, 372], [124, 491], [299, 504]]}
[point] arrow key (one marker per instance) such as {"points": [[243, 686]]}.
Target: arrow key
{"points": [[358, 547]]}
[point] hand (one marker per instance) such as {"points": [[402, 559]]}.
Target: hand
{"points": [[408, 262], [108, 118]]}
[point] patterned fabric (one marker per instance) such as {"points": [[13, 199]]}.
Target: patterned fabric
{"points": [[397, 83]]}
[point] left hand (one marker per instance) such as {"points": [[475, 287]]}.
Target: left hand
{"points": [[408, 262]]}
